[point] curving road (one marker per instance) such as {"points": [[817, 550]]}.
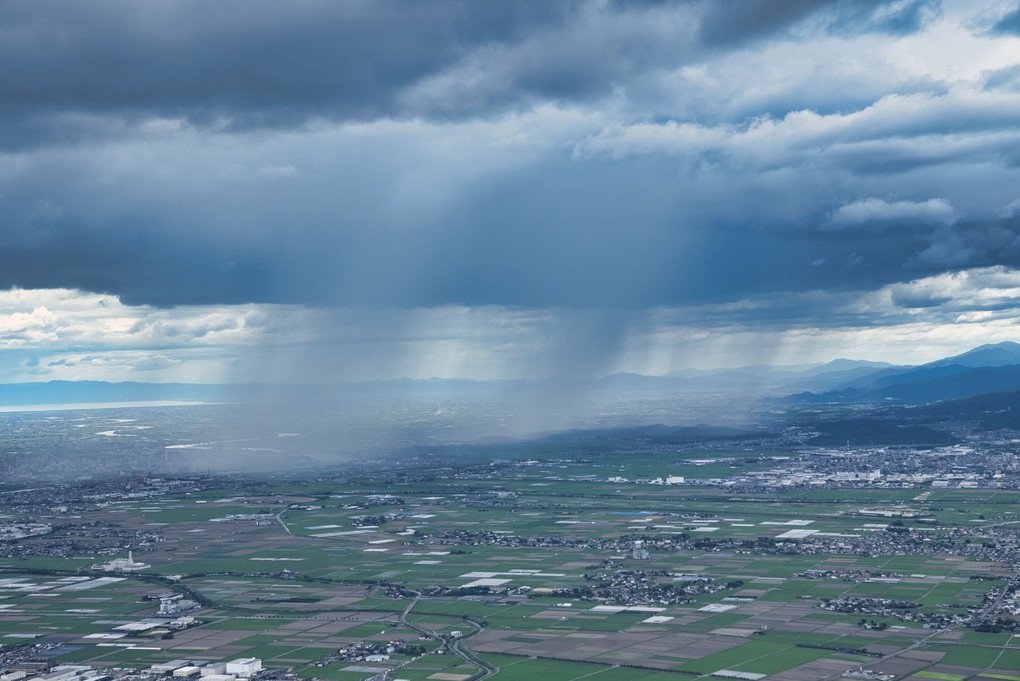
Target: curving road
{"points": [[485, 670]]}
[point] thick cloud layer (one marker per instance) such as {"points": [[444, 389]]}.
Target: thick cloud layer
{"points": [[530, 155], [270, 64]]}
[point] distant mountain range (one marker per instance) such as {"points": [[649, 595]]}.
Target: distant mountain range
{"points": [[986, 369], [991, 411]]}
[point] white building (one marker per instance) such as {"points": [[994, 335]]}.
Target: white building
{"points": [[244, 667], [121, 565], [639, 552], [214, 668]]}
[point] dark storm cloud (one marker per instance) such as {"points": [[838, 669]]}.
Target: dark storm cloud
{"points": [[899, 18], [140, 268], [745, 19], [1007, 78], [563, 234], [741, 20], [568, 231], [336, 153], [994, 242], [1008, 23], [266, 64]]}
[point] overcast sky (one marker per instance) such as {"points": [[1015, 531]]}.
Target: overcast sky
{"points": [[321, 190]]}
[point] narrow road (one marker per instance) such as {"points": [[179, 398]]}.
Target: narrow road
{"points": [[279, 519]]}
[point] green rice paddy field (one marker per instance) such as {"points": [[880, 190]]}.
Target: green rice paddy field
{"points": [[506, 563]]}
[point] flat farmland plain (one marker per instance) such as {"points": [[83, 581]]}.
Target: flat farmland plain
{"points": [[543, 569]]}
